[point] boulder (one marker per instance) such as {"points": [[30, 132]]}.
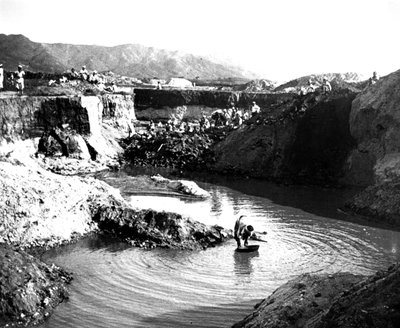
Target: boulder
{"points": [[182, 186], [65, 142]]}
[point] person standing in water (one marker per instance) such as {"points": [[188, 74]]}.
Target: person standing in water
{"points": [[242, 230]]}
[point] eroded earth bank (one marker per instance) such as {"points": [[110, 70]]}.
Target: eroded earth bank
{"points": [[346, 138]]}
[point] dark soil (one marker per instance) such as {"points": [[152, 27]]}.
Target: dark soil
{"points": [[180, 150], [29, 288], [327, 301]]}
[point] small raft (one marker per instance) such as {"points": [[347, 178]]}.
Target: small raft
{"points": [[248, 248]]}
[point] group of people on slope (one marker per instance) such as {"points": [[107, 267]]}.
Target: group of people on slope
{"points": [[233, 116], [84, 75], [325, 87]]}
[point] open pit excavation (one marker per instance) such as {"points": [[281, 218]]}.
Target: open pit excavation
{"points": [[137, 249]]}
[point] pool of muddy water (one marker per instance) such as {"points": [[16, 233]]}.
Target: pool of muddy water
{"points": [[116, 285]]}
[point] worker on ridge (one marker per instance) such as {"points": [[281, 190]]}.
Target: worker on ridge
{"points": [[310, 87], [255, 109], [242, 230], [83, 73], [20, 80], [372, 80], [1, 77], [326, 86]]}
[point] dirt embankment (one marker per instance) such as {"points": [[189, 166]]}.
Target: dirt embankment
{"points": [[302, 139], [375, 124], [338, 300], [305, 139], [29, 288], [151, 104]]}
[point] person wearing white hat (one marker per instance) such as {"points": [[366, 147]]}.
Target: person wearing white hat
{"points": [[1, 76], [242, 231], [20, 80]]}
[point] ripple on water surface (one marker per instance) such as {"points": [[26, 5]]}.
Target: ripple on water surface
{"points": [[119, 286]]}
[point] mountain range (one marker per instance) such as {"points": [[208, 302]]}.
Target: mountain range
{"points": [[132, 60]]}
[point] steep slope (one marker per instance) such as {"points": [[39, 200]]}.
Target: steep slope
{"points": [[130, 59], [326, 301], [304, 139]]}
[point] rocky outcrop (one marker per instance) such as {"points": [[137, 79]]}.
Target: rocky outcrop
{"points": [[29, 288], [148, 228], [338, 300], [303, 139], [184, 187]]}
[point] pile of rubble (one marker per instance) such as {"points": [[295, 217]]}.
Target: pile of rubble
{"points": [[182, 150]]}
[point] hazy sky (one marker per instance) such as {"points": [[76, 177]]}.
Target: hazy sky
{"points": [[278, 39]]}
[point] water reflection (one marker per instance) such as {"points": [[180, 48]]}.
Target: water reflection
{"points": [[243, 263]]}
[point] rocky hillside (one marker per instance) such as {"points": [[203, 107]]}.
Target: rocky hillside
{"points": [[130, 59]]}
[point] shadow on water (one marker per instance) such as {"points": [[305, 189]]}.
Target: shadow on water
{"points": [[93, 242], [223, 315]]}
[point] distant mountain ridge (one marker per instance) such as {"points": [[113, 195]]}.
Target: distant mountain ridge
{"points": [[130, 59]]}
